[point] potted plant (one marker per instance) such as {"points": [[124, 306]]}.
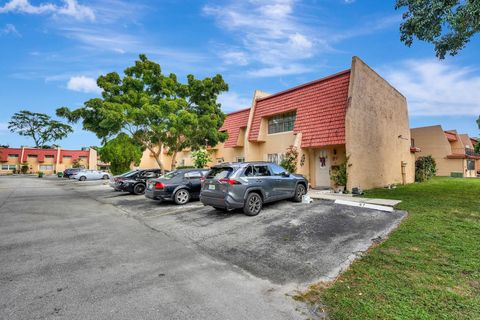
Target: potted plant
{"points": [[40, 174], [339, 176]]}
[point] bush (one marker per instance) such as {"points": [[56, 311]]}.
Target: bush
{"points": [[24, 168], [425, 168], [290, 160], [200, 158], [340, 175]]}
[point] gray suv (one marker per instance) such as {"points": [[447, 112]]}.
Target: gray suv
{"points": [[249, 185]]}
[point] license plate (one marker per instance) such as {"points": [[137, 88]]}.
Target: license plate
{"points": [[211, 187]]}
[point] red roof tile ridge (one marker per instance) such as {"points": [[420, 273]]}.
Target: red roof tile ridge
{"points": [[238, 111], [305, 85]]}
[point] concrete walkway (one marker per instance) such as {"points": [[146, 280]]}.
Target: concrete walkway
{"points": [[325, 195]]}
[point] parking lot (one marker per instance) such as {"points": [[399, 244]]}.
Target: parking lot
{"points": [[261, 259]]}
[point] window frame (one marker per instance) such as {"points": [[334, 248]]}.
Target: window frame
{"points": [[281, 123]]}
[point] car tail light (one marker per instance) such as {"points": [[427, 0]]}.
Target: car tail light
{"points": [[159, 185], [229, 181]]}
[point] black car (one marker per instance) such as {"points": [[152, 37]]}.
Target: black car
{"points": [[180, 185], [70, 172], [135, 181], [249, 185]]}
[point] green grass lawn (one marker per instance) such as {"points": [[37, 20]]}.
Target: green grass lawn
{"points": [[429, 268]]}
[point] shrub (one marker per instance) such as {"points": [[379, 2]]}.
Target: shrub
{"points": [[425, 168], [339, 176], [290, 160], [24, 168], [200, 158]]}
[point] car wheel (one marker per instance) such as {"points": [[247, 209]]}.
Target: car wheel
{"points": [[182, 196], [82, 178], [105, 177], [139, 189], [253, 204], [300, 191]]}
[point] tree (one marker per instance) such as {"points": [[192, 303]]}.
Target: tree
{"points": [[121, 152], [289, 162], [155, 110], [76, 164], [200, 158], [448, 24], [39, 126]]}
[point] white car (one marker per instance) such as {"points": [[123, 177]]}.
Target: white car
{"points": [[91, 175]]}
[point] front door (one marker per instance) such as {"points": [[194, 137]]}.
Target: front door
{"points": [[322, 168]]}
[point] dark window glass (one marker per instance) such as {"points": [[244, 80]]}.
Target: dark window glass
{"points": [[249, 172], [281, 123], [193, 175], [470, 165], [262, 171]]}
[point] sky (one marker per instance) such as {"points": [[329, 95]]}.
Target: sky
{"points": [[53, 51]]}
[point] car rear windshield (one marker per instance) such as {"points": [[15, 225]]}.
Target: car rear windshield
{"points": [[130, 174], [170, 175], [218, 173]]}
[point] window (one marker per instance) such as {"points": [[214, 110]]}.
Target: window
{"points": [[46, 167], [275, 157], [193, 175], [34, 156], [218, 173], [281, 123], [83, 158], [240, 159], [9, 167], [277, 170], [412, 143], [470, 164], [13, 155], [257, 171], [49, 156]]}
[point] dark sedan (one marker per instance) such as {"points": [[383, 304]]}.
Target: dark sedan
{"points": [[134, 181], [180, 186], [70, 172]]}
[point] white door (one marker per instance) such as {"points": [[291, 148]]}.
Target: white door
{"points": [[322, 168]]}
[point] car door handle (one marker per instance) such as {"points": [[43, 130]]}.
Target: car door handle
{"points": [[259, 180]]}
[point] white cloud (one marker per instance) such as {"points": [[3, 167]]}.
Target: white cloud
{"points": [[235, 57], [70, 8], [232, 101], [268, 32], [83, 84], [436, 88], [10, 29], [276, 71]]}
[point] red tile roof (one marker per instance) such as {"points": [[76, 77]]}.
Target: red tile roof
{"points": [[320, 107], [451, 136], [232, 124], [473, 141]]}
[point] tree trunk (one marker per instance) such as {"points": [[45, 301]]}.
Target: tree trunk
{"points": [[174, 157], [157, 155]]}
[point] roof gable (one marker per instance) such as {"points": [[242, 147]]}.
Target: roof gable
{"points": [[232, 124], [320, 110]]}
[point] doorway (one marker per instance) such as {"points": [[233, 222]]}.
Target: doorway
{"points": [[322, 169]]}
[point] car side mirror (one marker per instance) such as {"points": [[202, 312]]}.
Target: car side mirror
{"points": [[286, 174]]}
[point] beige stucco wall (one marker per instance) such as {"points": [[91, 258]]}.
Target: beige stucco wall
{"points": [[432, 141], [377, 132]]}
